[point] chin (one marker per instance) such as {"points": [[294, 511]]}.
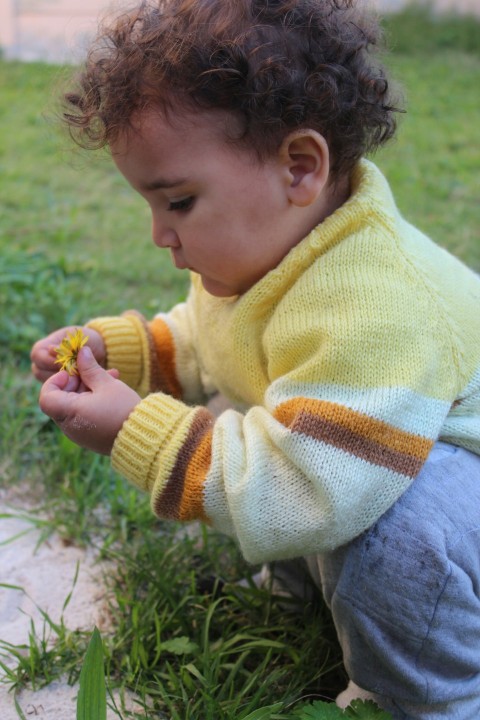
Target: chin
{"points": [[217, 289]]}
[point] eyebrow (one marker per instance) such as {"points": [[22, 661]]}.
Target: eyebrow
{"points": [[162, 184]]}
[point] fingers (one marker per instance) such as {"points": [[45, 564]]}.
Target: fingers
{"points": [[43, 353], [91, 373], [41, 375], [53, 398], [91, 408], [74, 384], [43, 361], [63, 382]]}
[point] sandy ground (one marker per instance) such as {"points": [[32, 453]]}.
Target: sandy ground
{"points": [[46, 575], [46, 572]]}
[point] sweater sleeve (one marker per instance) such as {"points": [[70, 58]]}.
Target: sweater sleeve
{"points": [[354, 403], [156, 355]]}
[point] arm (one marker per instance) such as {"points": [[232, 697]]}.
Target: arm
{"points": [[158, 355], [358, 393]]}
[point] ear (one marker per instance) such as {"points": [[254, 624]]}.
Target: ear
{"points": [[305, 158]]}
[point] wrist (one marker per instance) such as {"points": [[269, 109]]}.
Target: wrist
{"points": [[122, 346]]}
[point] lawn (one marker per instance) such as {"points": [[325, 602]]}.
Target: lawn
{"points": [[75, 243]]}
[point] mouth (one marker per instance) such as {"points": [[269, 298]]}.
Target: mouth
{"points": [[178, 262]]}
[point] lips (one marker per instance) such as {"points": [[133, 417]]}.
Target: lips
{"points": [[179, 263]]}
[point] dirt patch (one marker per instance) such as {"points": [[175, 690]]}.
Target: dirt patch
{"points": [[41, 577]]}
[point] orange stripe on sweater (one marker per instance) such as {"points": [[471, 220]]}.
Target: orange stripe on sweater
{"points": [[191, 505], [181, 497], [165, 355], [373, 440]]}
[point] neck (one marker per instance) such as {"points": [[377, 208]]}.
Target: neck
{"points": [[334, 197]]}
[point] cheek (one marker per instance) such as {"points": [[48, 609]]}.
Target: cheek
{"points": [[250, 213], [265, 201]]}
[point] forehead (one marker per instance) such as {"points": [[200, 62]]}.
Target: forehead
{"points": [[152, 131]]}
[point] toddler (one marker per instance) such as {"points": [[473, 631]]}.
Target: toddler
{"points": [[346, 341]]}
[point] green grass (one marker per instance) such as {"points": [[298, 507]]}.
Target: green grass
{"points": [[433, 163], [72, 208], [74, 243]]}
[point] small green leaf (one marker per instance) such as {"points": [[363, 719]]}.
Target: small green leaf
{"points": [[321, 711], [264, 713], [179, 646], [366, 710], [92, 696], [359, 710]]}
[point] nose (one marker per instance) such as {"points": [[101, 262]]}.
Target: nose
{"points": [[163, 236]]}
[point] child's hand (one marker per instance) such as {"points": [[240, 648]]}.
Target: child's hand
{"points": [[43, 352], [90, 408]]}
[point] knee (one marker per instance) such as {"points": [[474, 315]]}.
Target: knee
{"points": [[407, 612]]}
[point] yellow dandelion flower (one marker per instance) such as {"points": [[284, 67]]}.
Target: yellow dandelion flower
{"points": [[68, 349]]}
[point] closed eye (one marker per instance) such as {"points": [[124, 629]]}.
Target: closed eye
{"points": [[183, 205]]}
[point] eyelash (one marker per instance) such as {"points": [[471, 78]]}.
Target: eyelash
{"points": [[181, 205]]}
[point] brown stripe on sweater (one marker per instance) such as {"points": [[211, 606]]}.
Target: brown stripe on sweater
{"points": [[164, 347], [372, 440], [169, 503], [377, 430]]}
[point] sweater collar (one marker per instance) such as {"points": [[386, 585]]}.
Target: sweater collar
{"points": [[370, 201]]}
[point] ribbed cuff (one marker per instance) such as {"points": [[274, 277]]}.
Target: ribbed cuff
{"points": [[123, 345], [156, 427]]}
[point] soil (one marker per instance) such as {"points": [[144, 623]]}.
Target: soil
{"points": [[41, 577]]}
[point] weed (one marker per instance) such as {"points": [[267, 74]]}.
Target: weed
{"points": [[92, 695]]}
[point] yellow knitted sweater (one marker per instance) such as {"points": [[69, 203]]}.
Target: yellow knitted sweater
{"points": [[345, 364]]}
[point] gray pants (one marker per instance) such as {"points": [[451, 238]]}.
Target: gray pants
{"points": [[405, 595]]}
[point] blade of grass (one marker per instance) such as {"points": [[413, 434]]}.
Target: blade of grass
{"points": [[92, 696], [19, 710], [264, 713]]}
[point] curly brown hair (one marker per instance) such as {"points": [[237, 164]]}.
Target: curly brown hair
{"points": [[277, 65]]}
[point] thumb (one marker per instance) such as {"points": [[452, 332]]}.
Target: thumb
{"points": [[91, 373]]}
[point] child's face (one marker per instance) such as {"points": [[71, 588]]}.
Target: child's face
{"points": [[221, 213]]}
